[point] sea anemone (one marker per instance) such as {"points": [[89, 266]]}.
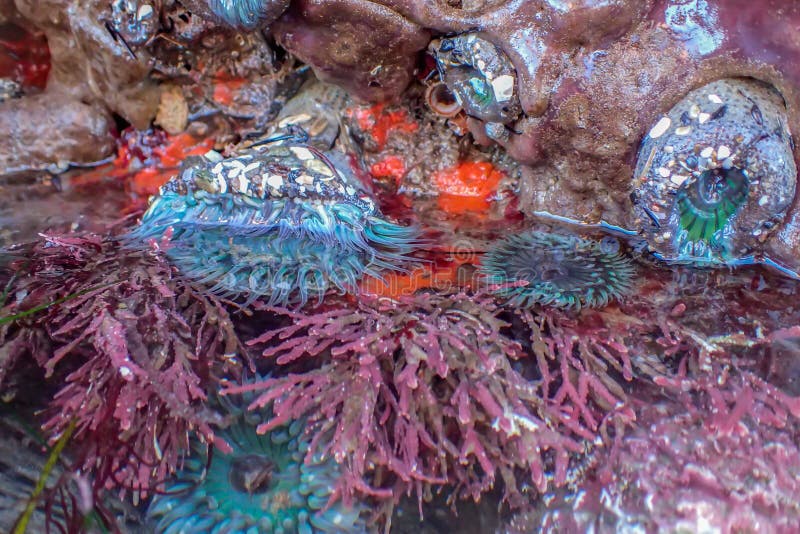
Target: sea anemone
{"points": [[557, 270], [716, 174], [278, 221], [264, 483], [242, 14]]}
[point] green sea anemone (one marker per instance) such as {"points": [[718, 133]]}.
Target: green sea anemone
{"points": [[266, 483], [716, 174], [557, 270], [708, 202], [276, 221]]}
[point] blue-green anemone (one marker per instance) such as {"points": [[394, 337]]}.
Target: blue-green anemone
{"points": [[262, 486], [276, 221], [247, 14], [559, 270]]}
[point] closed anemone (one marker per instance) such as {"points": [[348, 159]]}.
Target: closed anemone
{"points": [[558, 270], [263, 485], [716, 174], [248, 14], [278, 222]]}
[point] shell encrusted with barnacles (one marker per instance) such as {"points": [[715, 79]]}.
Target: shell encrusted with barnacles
{"points": [[553, 269], [265, 484], [480, 76], [716, 174], [277, 221]]}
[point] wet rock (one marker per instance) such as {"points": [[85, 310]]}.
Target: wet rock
{"points": [[230, 78], [537, 36], [92, 63], [173, 112], [364, 47], [52, 129]]}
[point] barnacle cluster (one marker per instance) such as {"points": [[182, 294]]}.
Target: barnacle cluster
{"points": [[276, 220], [716, 174], [559, 270], [265, 483], [135, 21]]}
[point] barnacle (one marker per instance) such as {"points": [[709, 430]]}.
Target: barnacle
{"points": [[9, 89], [480, 76], [276, 220], [565, 271], [716, 174], [136, 21], [265, 484]]}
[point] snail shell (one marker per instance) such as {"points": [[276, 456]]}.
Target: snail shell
{"points": [[441, 100]]}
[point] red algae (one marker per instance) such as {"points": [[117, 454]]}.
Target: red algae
{"points": [[715, 453], [677, 407], [378, 394], [389, 167], [428, 390], [24, 57], [129, 347]]}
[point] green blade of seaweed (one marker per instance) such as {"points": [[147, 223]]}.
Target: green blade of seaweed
{"points": [[52, 459]]}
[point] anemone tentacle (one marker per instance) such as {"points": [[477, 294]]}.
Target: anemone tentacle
{"points": [[248, 14]]}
